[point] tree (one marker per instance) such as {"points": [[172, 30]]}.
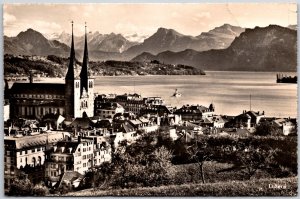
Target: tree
{"points": [[250, 159], [267, 128], [200, 152]]}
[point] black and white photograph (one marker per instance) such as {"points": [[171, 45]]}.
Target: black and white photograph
{"points": [[150, 99]]}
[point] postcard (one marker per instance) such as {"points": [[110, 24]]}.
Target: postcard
{"points": [[150, 99]]}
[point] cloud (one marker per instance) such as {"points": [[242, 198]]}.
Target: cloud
{"points": [[43, 26], [203, 15], [126, 27], [8, 19]]}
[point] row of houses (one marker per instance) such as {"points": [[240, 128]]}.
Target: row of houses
{"points": [[84, 143]]}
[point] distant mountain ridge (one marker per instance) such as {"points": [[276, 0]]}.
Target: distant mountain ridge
{"points": [[96, 41], [271, 48], [170, 40], [117, 47], [31, 42]]}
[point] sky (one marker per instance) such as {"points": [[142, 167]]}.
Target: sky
{"points": [[143, 19]]}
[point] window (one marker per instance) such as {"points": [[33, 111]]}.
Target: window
{"points": [[84, 164], [21, 152], [33, 150]]}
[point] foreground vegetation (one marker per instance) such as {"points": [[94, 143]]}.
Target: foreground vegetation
{"points": [[155, 161], [205, 166], [53, 66], [260, 187]]}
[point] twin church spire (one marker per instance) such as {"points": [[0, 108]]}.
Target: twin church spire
{"points": [[84, 70]]}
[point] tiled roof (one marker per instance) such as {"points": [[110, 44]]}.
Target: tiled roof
{"points": [[144, 120], [192, 109], [217, 119], [69, 176], [84, 123], [135, 122], [38, 88], [36, 140], [125, 127], [65, 146]]}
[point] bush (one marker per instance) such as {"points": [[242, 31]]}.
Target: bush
{"points": [[40, 190], [21, 187]]}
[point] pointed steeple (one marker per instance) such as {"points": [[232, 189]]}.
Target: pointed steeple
{"points": [[70, 73], [85, 62]]}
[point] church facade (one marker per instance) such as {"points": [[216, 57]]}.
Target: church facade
{"points": [[74, 98]]}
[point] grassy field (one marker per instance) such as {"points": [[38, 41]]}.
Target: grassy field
{"points": [[258, 187], [189, 173]]}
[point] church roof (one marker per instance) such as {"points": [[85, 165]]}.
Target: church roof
{"points": [[38, 88]]}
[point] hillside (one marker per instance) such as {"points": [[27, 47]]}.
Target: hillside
{"points": [[271, 48], [54, 66]]}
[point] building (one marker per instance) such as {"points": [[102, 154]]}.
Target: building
{"points": [[27, 151], [215, 121], [76, 155], [108, 109], [285, 125], [73, 99], [194, 112], [248, 119]]}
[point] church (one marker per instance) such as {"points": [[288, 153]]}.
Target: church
{"points": [[74, 98]]}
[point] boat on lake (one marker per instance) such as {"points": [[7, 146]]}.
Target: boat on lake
{"points": [[286, 79], [176, 94]]}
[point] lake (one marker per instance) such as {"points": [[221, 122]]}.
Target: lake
{"points": [[229, 91]]}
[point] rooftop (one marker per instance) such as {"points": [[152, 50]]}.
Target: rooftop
{"points": [[38, 88], [36, 140]]}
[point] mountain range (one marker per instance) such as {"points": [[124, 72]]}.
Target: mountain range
{"points": [[117, 47], [31, 42], [272, 48], [96, 41], [223, 48], [170, 40]]}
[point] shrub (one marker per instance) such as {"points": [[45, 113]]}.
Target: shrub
{"points": [[40, 190], [21, 187]]}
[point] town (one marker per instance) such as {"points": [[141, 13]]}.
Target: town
{"points": [[58, 133]]}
